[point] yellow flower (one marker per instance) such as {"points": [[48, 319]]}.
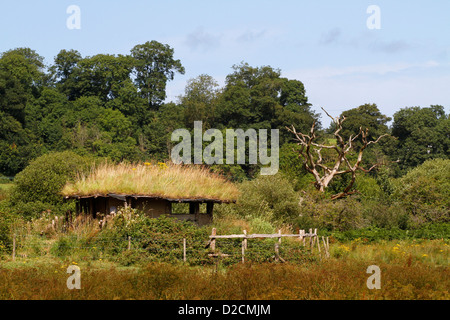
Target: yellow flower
{"points": [[147, 163], [162, 165], [424, 255], [133, 169]]}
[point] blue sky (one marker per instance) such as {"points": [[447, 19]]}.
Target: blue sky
{"points": [[325, 44]]}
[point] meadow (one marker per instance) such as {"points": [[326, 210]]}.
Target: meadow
{"points": [[411, 269], [138, 257], [420, 273]]}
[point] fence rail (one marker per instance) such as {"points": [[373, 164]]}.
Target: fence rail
{"points": [[302, 236]]}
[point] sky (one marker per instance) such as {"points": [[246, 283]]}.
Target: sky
{"points": [[346, 53]]}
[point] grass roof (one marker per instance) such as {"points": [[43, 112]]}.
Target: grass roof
{"points": [[163, 181]]}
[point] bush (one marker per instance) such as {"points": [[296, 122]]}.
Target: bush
{"points": [[425, 191], [272, 198], [384, 215], [159, 239], [319, 211], [5, 233], [373, 234], [38, 186]]}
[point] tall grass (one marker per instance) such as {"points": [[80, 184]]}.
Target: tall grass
{"points": [[334, 279], [166, 181]]}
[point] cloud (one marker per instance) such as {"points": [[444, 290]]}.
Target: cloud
{"points": [[391, 46], [200, 39], [250, 36], [330, 37], [370, 69], [367, 40], [390, 86]]}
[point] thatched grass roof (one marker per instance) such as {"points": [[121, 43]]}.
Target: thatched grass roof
{"points": [[159, 181]]}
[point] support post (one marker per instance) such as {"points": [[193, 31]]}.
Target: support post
{"points": [[244, 246], [304, 238], [310, 239], [277, 252], [184, 249], [213, 240]]}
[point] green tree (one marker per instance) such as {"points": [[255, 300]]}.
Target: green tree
{"points": [[260, 98], [154, 65], [63, 72], [21, 80], [422, 134], [21, 76], [200, 100], [365, 116]]}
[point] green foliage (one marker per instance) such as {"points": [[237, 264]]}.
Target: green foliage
{"points": [[292, 167], [425, 191], [6, 220], [259, 98], [319, 211], [271, 198], [39, 185], [200, 100], [154, 65], [159, 239], [365, 116], [422, 134], [374, 234]]}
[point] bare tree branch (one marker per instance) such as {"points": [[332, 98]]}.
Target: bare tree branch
{"points": [[324, 174]]}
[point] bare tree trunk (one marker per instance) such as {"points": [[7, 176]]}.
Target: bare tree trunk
{"points": [[323, 174]]}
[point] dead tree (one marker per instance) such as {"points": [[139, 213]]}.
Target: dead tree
{"points": [[310, 153]]}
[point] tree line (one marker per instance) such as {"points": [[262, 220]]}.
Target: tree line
{"points": [[113, 106]]}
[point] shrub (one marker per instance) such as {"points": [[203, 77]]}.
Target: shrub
{"points": [[5, 233], [385, 215], [159, 239], [38, 186], [319, 211], [272, 198], [425, 191]]}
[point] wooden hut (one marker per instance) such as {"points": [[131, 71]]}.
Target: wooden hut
{"points": [[153, 190]]}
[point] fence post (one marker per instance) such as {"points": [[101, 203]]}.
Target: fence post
{"points": [[303, 237], [279, 236], [129, 243], [184, 249], [277, 252], [310, 239], [213, 240], [328, 248], [244, 245], [325, 246], [14, 247], [318, 242], [314, 238]]}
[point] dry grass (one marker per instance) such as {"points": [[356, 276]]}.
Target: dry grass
{"points": [[334, 279], [165, 181]]}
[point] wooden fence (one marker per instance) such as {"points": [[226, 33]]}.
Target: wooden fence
{"points": [[309, 239]]}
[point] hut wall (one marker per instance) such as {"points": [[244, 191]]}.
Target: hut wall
{"points": [[113, 204], [152, 207]]}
